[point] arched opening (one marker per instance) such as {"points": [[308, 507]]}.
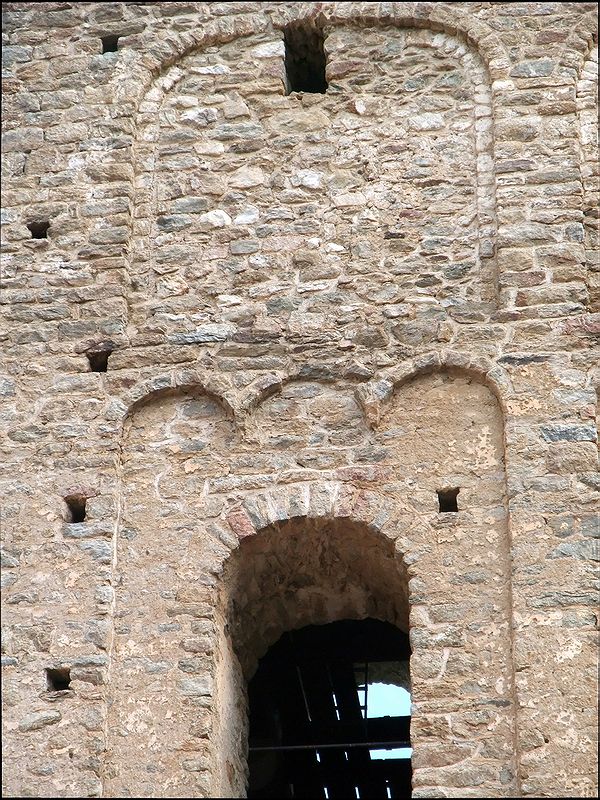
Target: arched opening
{"points": [[329, 714], [311, 605]]}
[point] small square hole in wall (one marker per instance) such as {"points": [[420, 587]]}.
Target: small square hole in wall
{"points": [[76, 507], [39, 229], [110, 44], [448, 499], [305, 59], [99, 360], [59, 679]]}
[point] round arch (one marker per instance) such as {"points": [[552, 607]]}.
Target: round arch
{"points": [[306, 570], [350, 564], [177, 381], [374, 394], [371, 394], [134, 80], [148, 78], [377, 390], [581, 41]]}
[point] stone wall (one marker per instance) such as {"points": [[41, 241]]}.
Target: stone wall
{"points": [[255, 334]]}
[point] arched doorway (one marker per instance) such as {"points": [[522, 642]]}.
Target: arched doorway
{"points": [[309, 603], [329, 714]]}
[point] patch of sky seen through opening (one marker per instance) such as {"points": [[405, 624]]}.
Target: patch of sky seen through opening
{"points": [[384, 691], [388, 700]]}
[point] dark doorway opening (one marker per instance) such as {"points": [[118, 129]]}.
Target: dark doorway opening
{"points": [[330, 714]]}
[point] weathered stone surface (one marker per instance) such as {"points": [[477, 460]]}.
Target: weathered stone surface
{"points": [[569, 433], [39, 720], [539, 68], [322, 310]]}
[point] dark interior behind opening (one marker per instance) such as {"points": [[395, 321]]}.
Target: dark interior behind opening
{"points": [[310, 735], [305, 59]]}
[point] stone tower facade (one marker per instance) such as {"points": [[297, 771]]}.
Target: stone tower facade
{"points": [[253, 336]]}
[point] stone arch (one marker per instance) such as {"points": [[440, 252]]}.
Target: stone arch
{"points": [[374, 394], [315, 500], [233, 288], [134, 80], [349, 536], [178, 382], [271, 383], [482, 368], [308, 424], [168, 549], [371, 393], [301, 571]]}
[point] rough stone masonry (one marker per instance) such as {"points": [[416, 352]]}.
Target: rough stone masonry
{"points": [[249, 335]]}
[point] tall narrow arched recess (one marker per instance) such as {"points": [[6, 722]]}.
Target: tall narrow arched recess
{"points": [[176, 449], [443, 435]]}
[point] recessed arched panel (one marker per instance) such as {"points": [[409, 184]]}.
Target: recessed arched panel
{"points": [[443, 435], [189, 431], [167, 558], [443, 430], [309, 425], [193, 487], [268, 214]]}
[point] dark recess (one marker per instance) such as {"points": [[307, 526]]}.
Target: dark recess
{"points": [[305, 59], [448, 499], [39, 229], [99, 360], [76, 505], [58, 679], [110, 44], [308, 735]]}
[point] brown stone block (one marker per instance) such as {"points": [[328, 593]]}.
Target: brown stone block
{"points": [[441, 755], [515, 259], [523, 279], [561, 293], [569, 457]]}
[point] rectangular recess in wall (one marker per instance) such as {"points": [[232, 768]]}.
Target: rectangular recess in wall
{"points": [[305, 59], [58, 679], [448, 500]]}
